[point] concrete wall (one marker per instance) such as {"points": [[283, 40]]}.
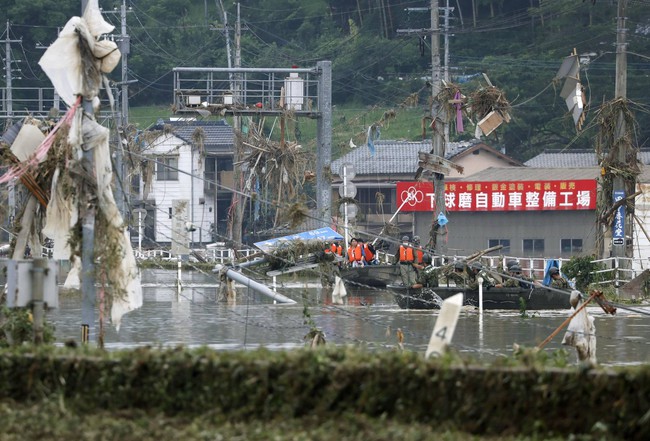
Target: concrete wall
{"points": [[471, 231]]}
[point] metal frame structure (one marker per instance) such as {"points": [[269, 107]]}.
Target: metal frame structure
{"points": [[261, 91]]}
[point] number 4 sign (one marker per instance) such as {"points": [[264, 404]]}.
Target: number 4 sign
{"points": [[445, 326]]}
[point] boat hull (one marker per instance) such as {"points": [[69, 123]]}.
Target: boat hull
{"points": [[425, 298], [374, 276], [494, 298]]}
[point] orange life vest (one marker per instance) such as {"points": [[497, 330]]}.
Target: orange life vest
{"points": [[336, 249], [354, 255], [405, 254], [419, 254], [370, 256]]}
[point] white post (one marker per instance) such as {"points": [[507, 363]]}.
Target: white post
{"points": [[480, 295], [275, 286], [445, 325], [178, 281], [345, 207], [140, 232]]}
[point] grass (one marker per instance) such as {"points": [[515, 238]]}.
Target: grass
{"points": [[349, 122], [52, 420], [144, 117]]}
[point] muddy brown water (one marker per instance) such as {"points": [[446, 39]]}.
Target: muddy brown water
{"points": [[194, 317]]}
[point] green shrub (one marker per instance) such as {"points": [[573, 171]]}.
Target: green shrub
{"points": [[583, 270], [17, 327]]}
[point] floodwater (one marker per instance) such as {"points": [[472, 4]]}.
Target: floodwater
{"points": [[193, 317]]}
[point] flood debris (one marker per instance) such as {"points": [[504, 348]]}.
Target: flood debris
{"points": [[581, 332], [47, 156]]}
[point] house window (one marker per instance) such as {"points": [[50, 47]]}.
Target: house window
{"points": [[504, 242], [375, 200], [167, 168], [571, 246], [534, 247]]}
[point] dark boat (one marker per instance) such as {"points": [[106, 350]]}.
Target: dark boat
{"points": [[493, 298], [374, 276], [410, 298]]}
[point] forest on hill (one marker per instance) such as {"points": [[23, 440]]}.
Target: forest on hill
{"points": [[519, 44]]}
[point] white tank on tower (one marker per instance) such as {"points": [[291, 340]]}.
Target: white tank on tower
{"points": [[294, 89]]}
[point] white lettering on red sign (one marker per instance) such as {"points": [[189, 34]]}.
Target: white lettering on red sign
{"points": [[501, 196]]}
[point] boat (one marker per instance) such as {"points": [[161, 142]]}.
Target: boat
{"points": [[536, 298], [373, 276], [410, 298]]}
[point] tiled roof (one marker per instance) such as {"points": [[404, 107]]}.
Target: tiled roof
{"points": [[573, 158], [393, 157], [218, 135], [533, 174]]}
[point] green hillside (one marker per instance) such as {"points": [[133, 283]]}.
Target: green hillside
{"points": [[377, 65]]}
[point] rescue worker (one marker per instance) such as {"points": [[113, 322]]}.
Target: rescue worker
{"points": [[428, 276], [355, 256], [476, 270], [557, 281], [419, 252], [330, 265], [368, 252], [459, 275], [510, 263], [406, 259], [518, 280], [336, 248]]}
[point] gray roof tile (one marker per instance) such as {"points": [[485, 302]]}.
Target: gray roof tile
{"points": [[532, 174], [219, 135], [573, 158], [393, 157]]}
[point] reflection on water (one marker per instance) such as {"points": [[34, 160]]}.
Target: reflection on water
{"points": [[368, 318]]}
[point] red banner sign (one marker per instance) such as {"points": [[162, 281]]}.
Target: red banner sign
{"points": [[501, 196]]}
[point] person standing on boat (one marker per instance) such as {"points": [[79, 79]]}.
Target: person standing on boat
{"points": [[355, 255], [557, 281], [406, 260]]}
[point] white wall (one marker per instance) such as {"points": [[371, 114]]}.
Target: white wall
{"points": [[185, 188], [475, 163], [641, 241]]}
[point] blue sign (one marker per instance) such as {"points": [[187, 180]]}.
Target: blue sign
{"points": [[618, 229], [324, 234]]}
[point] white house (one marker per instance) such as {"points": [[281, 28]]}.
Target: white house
{"points": [[188, 192]]}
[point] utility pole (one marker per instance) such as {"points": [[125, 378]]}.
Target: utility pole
{"points": [[238, 156], [446, 68], [87, 214], [324, 142], [9, 111], [123, 115], [125, 49], [9, 106], [225, 29], [621, 248], [439, 123], [439, 117]]}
